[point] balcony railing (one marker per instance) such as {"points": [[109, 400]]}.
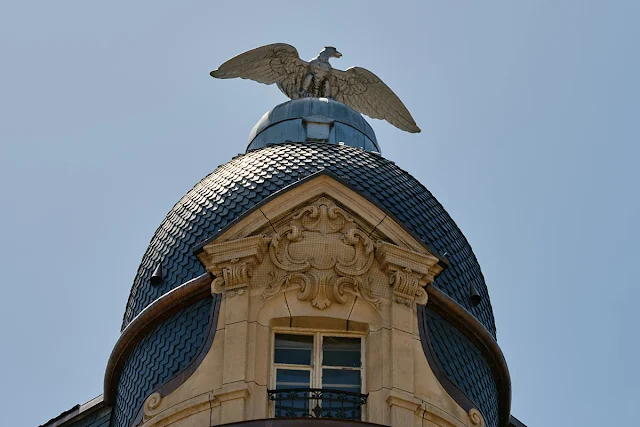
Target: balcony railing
{"points": [[317, 403]]}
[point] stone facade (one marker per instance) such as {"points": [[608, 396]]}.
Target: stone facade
{"points": [[317, 238], [319, 257]]}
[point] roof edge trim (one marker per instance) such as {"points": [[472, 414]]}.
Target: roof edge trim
{"points": [[159, 310], [178, 379], [471, 327], [76, 413]]}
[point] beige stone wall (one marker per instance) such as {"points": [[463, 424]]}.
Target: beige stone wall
{"points": [[318, 258]]}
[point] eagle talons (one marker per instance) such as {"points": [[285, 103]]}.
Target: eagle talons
{"points": [[303, 94]]}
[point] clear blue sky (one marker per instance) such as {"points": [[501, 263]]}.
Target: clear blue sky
{"points": [[530, 119]]}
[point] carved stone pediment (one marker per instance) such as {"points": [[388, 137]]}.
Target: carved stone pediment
{"points": [[322, 251], [323, 248]]}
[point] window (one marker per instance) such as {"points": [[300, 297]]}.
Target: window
{"points": [[317, 375]]}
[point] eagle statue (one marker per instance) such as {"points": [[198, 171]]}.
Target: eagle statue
{"points": [[356, 87]]}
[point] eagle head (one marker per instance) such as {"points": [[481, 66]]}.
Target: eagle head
{"points": [[331, 52]]}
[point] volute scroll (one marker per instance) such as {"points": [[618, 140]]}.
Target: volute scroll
{"points": [[325, 253], [232, 263]]}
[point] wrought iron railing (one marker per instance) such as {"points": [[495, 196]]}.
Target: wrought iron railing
{"points": [[317, 403]]}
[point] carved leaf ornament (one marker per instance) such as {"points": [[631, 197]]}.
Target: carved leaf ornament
{"points": [[322, 252]]}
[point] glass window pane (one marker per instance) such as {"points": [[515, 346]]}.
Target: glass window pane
{"points": [[292, 403], [293, 349], [292, 378], [341, 379], [337, 404], [341, 351]]}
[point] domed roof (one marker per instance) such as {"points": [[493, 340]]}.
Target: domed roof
{"points": [[237, 186], [318, 119]]}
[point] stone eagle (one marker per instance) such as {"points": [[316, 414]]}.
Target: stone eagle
{"points": [[356, 87]]}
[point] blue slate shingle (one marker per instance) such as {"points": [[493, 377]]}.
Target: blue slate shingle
{"points": [[237, 186], [246, 180], [162, 353], [463, 363]]}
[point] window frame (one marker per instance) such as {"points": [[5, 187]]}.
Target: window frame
{"points": [[317, 357]]}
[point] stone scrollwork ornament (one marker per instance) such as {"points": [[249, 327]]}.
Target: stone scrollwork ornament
{"points": [[324, 254], [409, 272], [476, 417], [235, 274], [233, 262], [407, 287], [151, 405]]}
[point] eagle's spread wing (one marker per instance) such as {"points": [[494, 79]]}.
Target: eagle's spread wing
{"points": [[363, 91], [274, 63]]}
